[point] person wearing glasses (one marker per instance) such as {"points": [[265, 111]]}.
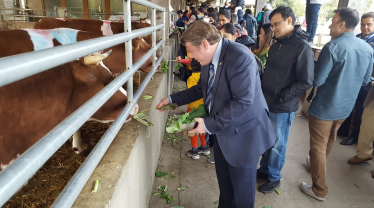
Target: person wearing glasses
{"points": [[367, 34], [289, 73], [343, 66]]}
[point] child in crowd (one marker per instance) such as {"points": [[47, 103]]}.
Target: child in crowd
{"points": [[192, 81]]}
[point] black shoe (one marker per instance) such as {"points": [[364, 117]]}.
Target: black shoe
{"points": [[349, 141], [194, 154], [261, 175], [269, 186], [203, 150]]}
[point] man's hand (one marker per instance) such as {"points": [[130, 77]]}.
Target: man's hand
{"points": [[178, 59], [163, 102], [200, 129]]}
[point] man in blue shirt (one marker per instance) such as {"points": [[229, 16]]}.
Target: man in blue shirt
{"points": [[344, 65], [367, 34]]}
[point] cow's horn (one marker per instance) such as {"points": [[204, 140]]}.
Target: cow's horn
{"points": [[94, 59]]}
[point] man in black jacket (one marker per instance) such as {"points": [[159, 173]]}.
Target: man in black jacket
{"points": [[289, 73]]}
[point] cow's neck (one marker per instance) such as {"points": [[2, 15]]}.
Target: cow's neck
{"points": [[31, 107], [116, 61]]}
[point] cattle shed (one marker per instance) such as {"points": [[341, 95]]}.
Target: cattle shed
{"points": [[126, 170]]}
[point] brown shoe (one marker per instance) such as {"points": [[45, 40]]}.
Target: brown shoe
{"points": [[356, 160]]}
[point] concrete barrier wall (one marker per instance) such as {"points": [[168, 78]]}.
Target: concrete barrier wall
{"points": [[126, 172]]}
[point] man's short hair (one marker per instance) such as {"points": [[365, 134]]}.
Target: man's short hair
{"points": [[199, 31], [211, 9], [368, 15], [229, 28], [234, 18], [225, 13], [213, 15], [349, 16], [286, 12], [248, 11], [179, 12], [204, 6]]}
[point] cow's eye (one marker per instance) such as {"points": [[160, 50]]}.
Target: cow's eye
{"points": [[105, 84]]}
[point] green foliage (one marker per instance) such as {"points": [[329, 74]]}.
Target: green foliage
{"points": [[368, 6], [180, 189], [329, 7], [146, 97], [165, 67], [143, 118], [165, 194], [179, 65], [159, 174], [187, 118], [297, 6], [200, 112]]}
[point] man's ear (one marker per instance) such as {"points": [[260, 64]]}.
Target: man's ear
{"points": [[289, 20], [342, 25], [205, 44]]}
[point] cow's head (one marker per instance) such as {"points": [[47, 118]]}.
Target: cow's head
{"points": [[91, 76], [139, 48]]}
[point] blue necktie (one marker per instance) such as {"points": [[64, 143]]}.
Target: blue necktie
{"points": [[210, 86]]}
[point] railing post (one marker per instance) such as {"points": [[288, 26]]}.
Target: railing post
{"points": [[319, 39], [127, 27], [154, 36]]}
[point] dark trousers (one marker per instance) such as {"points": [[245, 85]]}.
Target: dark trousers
{"points": [[359, 109], [237, 185], [311, 15]]}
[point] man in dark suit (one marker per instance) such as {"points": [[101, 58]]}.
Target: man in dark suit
{"points": [[238, 114]]}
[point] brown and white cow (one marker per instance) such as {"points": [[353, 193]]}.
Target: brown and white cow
{"points": [[104, 27], [31, 107]]}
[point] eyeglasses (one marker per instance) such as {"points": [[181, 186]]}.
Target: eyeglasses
{"points": [[368, 24], [275, 25]]}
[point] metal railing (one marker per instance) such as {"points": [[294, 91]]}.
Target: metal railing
{"points": [[25, 15], [13, 69], [172, 18], [319, 42]]}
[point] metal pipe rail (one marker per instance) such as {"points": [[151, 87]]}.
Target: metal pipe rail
{"points": [[25, 166], [172, 17], [12, 69], [20, 9], [80, 178]]}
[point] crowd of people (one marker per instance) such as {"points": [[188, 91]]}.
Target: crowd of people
{"points": [[251, 92]]}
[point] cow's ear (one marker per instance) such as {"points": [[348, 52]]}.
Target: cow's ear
{"points": [[83, 74]]}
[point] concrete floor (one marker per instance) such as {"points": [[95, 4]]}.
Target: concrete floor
{"points": [[350, 186]]}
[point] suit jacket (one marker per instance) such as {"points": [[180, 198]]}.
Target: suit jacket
{"points": [[239, 113]]}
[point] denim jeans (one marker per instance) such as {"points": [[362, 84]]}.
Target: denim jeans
{"points": [[311, 15], [273, 159]]}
